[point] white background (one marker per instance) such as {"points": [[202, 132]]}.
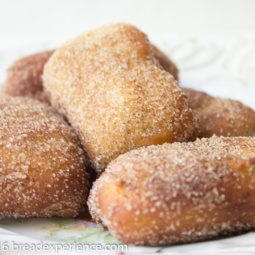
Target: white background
{"points": [[24, 22]]}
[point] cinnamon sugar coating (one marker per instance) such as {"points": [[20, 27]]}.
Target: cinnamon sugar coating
{"points": [[42, 165], [222, 117], [165, 62], [180, 192], [115, 93], [24, 77]]}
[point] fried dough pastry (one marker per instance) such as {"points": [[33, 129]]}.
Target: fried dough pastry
{"points": [[222, 117], [115, 94], [42, 165], [24, 77], [180, 192]]}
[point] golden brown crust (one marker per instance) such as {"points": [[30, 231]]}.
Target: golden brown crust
{"points": [[178, 192], [165, 62], [222, 117], [24, 77], [115, 94], [42, 166]]}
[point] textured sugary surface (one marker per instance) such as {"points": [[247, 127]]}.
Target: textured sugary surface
{"points": [[115, 94], [165, 62], [217, 116], [24, 76], [222, 117], [42, 166], [178, 192]]}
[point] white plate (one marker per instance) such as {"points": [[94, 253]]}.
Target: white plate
{"points": [[223, 67]]}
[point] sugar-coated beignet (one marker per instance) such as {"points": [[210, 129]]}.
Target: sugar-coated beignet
{"points": [[222, 117], [180, 192], [24, 77], [42, 164], [115, 93]]}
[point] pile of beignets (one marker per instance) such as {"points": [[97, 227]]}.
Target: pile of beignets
{"points": [[173, 164]]}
